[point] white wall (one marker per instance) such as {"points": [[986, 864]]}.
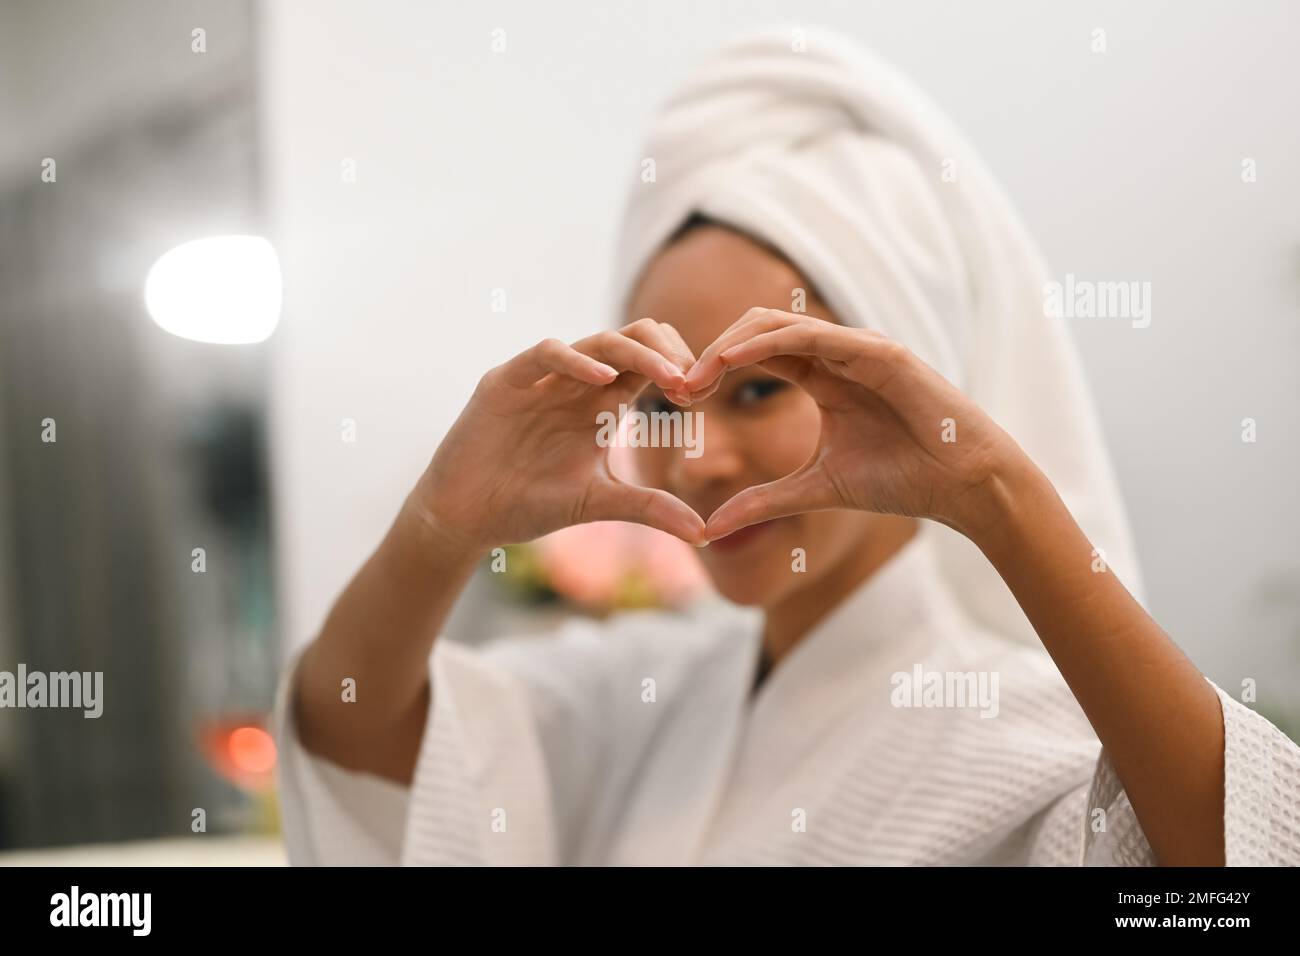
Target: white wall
{"points": [[478, 170]]}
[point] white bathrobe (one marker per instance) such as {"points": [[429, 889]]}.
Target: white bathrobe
{"points": [[557, 750]]}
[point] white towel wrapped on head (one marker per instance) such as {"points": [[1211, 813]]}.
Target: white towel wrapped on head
{"points": [[838, 161]]}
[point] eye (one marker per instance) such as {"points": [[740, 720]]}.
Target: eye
{"points": [[755, 390], [649, 404]]}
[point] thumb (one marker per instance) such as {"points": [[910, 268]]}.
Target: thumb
{"points": [[618, 500], [803, 490]]}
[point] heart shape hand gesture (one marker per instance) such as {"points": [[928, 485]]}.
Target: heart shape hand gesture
{"points": [[896, 437]]}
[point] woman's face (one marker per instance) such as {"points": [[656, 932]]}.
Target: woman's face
{"points": [[756, 427]]}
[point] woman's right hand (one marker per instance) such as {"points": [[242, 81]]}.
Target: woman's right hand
{"points": [[522, 458]]}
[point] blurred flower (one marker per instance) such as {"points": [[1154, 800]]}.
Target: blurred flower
{"points": [[607, 565], [613, 564]]}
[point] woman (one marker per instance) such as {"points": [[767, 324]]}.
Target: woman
{"points": [[930, 633]]}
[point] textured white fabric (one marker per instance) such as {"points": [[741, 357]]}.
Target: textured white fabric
{"points": [[552, 737], [837, 160]]}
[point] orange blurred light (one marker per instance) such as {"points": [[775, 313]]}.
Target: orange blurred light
{"points": [[251, 749]]}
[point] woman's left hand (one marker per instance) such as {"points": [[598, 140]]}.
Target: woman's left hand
{"points": [[896, 436]]}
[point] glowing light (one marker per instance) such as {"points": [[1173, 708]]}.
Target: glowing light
{"points": [[251, 750], [224, 290]]}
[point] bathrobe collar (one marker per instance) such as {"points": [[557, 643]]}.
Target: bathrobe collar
{"points": [[840, 670], [856, 644]]}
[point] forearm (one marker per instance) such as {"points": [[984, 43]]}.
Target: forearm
{"points": [[380, 633], [1158, 718]]}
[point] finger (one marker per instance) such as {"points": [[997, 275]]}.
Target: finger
{"points": [[882, 365], [797, 370], [705, 377], [709, 367], [870, 360], [800, 371], [682, 395], [825, 388], [618, 500], [553, 356], [665, 340], [822, 340], [629, 355], [805, 490], [706, 368]]}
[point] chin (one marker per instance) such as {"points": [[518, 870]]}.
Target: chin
{"points": [[753, 568], [754, 589]]}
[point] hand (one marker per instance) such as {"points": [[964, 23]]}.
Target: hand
{"points": [[522, 459], [896, 436]]}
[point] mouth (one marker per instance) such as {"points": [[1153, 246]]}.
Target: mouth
{"points": [[738, 540]]}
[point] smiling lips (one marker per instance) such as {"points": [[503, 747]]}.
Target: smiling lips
{"points": [[739, 539]]}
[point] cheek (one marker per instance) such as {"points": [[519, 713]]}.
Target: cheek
{"points": [[648, 467], [784, 438]]}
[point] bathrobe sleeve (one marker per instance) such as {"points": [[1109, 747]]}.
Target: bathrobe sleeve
{"points": [[515, 748], [332, 816], [1261, 812]]}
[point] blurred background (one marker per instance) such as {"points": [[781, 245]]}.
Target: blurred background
{"points": [[179, 513]]}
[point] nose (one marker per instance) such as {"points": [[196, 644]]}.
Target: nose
{"points": [[721, 461]]}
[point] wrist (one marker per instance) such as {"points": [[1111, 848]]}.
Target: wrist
{"points": [[430, 539], [997, 510]]}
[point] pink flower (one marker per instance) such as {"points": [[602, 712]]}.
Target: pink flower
{"points": [[608, 564]]}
